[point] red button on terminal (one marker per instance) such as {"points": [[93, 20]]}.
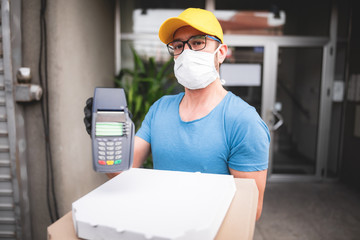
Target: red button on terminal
{"points": [[102, 162]]}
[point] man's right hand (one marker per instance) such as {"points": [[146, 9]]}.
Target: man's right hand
{"points": [[88, 115]]}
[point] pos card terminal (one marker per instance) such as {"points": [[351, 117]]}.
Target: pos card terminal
{"points": [[112, 131]]}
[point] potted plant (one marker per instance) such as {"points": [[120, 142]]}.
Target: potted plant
{"points": [[143, 85]]}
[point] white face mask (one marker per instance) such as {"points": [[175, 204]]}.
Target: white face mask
{"points": [[196, 69]]}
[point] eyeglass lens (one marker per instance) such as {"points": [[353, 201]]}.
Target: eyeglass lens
{"points": [[195, 43]]}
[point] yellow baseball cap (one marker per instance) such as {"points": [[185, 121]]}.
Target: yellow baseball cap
{"points": [[200, 19]]}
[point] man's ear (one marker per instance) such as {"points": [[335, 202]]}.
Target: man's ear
{"points": [[222, 53]]}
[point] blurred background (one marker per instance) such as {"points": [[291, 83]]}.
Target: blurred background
{"points": [[296, 62]]}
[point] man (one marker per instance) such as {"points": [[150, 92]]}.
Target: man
{"points": [[205, 129]]}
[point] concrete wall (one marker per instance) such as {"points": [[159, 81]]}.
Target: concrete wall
{"points": [[80, 57]]}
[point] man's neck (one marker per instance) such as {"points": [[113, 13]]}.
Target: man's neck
{"points": [[214, 91], [200, 102]]}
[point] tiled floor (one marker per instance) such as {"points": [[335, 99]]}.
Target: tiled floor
{"points": [[309, 211]]}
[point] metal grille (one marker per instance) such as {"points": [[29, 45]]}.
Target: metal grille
{"points": [[8, 219]]}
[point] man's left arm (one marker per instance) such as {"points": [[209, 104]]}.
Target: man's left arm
{"points": [[260, 179]]}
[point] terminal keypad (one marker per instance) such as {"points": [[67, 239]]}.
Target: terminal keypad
{"points": [[109, 151]]}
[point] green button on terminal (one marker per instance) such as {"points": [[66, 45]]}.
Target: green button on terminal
{"points": [[117, 161]]}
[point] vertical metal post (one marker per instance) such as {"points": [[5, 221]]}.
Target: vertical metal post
{"points": [[269, 90], [117, 38], [210, 5], [327, 80]]}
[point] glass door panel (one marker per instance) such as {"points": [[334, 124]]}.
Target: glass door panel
{"points": [[297, 103], [242, 73]]}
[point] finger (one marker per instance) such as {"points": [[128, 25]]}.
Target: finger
{"points": [[89, 101], [88, 113]]}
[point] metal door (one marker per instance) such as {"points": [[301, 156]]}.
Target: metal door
{"points": [[303, 55], [14, 203], [298, 107]]}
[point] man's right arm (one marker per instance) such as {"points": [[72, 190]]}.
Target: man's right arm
{"points": [[141, 151]]}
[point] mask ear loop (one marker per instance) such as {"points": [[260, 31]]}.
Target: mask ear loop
{"points": [[218, 48]]}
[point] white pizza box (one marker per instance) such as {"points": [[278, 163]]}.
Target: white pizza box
{"points": [[238, 224], [155, 204]]}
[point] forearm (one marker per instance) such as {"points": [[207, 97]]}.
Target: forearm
{"points": [[111, 175], [260, 180]]}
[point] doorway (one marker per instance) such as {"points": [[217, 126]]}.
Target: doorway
{"points": [[292, 98]]}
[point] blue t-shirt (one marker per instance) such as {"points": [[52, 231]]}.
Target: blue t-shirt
{"points": [[232, 135]]}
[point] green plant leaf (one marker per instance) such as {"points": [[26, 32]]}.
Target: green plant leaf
{"points": [[164, 70], [139, 66], [152, 67], [144, 84], [138, 102]]}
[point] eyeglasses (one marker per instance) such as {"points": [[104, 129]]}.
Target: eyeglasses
{"points": [[195, 43]]}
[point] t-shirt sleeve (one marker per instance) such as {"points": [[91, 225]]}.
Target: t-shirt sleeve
{"points": [[145, 130], [249, 142]]}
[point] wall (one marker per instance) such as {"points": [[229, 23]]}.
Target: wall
{"points": [[80, 57]]}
